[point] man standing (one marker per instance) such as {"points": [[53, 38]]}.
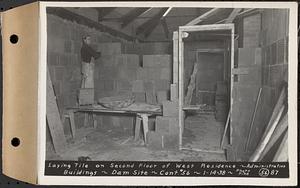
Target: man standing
{"points": [[88, 55]]}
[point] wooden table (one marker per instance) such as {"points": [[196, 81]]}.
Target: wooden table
{"points": [[141, 111]]}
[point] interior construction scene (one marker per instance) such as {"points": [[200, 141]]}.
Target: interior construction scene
{"points": [[167, 84]]}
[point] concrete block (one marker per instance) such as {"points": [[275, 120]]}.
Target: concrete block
{"points": [[280, 51], [139, 97], [65, 59], [106, 121], [149, 86], [130, 60], [151, 98], [162, 85], [86, 96], [108, 73], [52, 58], [109, 48], [246, 57], [116, 121], [221, 88], [165, 74], [127, 73], [142, 74], [107, 60], [124, 85], [157, 61], [109, 85], [167, 125], [152, 73], [162, 125], [171, 141], [161, 96], [174, 92], [138, 86], [59, 72], [151, 123], [68, 46], [170, 108], [154, 140]]}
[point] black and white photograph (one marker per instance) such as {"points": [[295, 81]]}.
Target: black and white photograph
{"points": [[117, 90], [132, 86]]}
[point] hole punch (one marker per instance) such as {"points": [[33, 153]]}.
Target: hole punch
{"points": [[15, 142], [14, 38]]}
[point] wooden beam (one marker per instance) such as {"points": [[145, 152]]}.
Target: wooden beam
{"points": [[202, 17], [150, 25], [68, 15], [247, 12], [102, 12], [131, 15], [165, 27], [232, 15]]}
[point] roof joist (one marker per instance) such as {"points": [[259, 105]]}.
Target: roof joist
{"points": [[131, 15]]}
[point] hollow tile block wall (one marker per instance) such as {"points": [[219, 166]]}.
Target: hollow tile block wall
{"points": [[63, 59]]}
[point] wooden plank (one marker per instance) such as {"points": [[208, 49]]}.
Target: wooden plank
{"points": [[53, 119], [282, 152], [165, 27], [131, 15], [202, 17], [225, 129], [137, 129], [233, 15], [281, 100], [265, 139], [181, 85], [253, 118], [145, 125], [191, 87], [280, 129], [211, 27], [72, 123], [175, 57]]}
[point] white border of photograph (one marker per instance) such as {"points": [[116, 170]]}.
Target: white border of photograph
{"points": [[142, 180]]}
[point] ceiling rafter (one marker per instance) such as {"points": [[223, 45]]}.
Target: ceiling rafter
{"points": [[68, 15], [202, 17], [147, 27], [165, 27], [232, 15], [132, 15], [102, 12]]}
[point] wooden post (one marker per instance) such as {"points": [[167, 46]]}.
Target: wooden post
{"points": [[137, 128], [72, 123], [175, 57], [145, 126]]}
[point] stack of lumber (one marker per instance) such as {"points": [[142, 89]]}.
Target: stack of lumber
{"points": [[275, 132]]}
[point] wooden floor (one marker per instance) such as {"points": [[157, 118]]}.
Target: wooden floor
{"points": [[201, 133]]}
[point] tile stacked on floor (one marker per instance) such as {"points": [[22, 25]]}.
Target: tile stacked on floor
{"points": [[156, 77]]}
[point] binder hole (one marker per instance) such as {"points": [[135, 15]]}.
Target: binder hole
{"points": [[15, 142], [14, 38]]}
